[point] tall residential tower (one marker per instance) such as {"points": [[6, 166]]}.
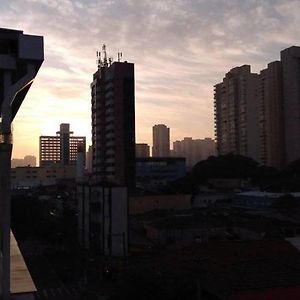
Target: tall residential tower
{"points": [[236, 113], [290, 59], [270, 93], [161, 141], [258, 115], [113, 122], [194, 150], [103, 199]]}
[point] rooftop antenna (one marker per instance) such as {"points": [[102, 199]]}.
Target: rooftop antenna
{"points": [[119, 56], [99, 61], [105, 55]]}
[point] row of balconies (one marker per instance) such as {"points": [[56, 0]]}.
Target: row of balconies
{"points": [[110, 161], [110, 151], [109, 102], [110, 143], [109, 111], [109, 135], [109, 118], [49, 145]]}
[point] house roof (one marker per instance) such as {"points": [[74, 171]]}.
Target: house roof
{"points": [[186, 221], [231, 268]]}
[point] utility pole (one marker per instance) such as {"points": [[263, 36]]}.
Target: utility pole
{"points": [[20, 59]]}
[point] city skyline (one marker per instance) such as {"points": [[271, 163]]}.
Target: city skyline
{"points": [[200, 40]]}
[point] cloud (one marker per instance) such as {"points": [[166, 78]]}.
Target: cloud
{"points": [[180, 48]]}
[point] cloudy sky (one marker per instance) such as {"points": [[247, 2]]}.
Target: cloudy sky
{"points": [[180, 48]]}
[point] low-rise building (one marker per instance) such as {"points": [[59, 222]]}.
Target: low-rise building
{"points": [[27, 177], [142, 150], [259, 200], [27, 161], [144, 204], [185, 228], [206, 199], [229, 183], [155, 172], [244, 270]]}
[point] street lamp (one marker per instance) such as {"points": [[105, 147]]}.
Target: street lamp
{"points": [[21, 56]]}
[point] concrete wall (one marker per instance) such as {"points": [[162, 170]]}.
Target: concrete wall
{"points": [[103, 219]]}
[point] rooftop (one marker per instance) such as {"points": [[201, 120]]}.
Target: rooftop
{"points": [[266, 194], [186, 220], [227, 268]]}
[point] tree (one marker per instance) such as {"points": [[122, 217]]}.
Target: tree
{"points": [[225, 166]]}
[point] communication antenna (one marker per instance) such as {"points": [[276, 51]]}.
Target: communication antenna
{"points": [[99, 61], [119, 56], [105, 55]]}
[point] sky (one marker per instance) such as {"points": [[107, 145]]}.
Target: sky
{"points": [[180, 48]]}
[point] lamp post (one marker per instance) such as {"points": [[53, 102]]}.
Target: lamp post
{"points": [[20, 59]]}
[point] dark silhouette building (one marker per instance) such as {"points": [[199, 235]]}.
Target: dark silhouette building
{"points": [[290, 59], [270, 95], [161, 141], [113, 122], [21, 56], [236, 113], [103, 196], [258, 115], [142, 150], [154, 173]]}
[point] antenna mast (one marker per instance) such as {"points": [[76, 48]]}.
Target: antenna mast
{"points": [[105, 61], [105, 55], [99, 61], [119, 56]]}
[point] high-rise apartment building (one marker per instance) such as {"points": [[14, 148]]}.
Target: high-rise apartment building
{"points": [[103, 200], [236, 113], [270, 93], [60, 149], [113, 123], [142, 150], [194, 150], [290, 59], [161, 141], [258, 115]]}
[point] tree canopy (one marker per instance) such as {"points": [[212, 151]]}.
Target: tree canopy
{"points": [[225, 166], [242, 167]]}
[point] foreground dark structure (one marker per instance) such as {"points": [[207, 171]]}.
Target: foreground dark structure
{"points": [[21, 56]]}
